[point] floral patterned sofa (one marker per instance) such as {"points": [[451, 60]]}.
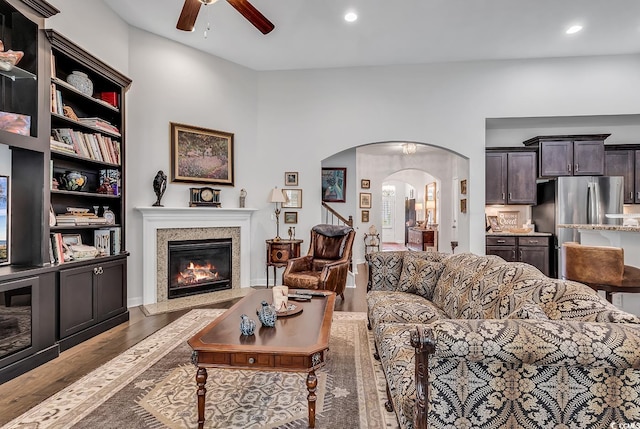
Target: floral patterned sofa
{"points": [[470, 341]]}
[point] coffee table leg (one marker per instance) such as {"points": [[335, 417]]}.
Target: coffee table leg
{"points": [[201, 380], [312, 383]]}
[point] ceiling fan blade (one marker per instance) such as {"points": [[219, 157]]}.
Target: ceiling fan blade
{"points": [[253, 15], [187, 20]]}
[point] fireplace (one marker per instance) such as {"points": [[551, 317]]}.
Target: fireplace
{"points": [[199, 266]]}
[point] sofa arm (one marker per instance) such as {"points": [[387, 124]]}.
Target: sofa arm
{"points": [[596, 352]]}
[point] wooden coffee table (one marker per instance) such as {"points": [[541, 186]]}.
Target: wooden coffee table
{"points": [[297, 343]]}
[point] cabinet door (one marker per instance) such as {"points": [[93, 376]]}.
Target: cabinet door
{"points": [[637, 177], [111, 289], [622, 163], [588, 158], [536, 256], [78, 303], [556, 158], [521, 178], [508, 253], [496, 178]]}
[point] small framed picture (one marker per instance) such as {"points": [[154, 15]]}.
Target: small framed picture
{"points": [[365, 183], [291, 178], [463, 205], [365, 200], [463, 187], [294, 198], [72, 239], [365, 216], [493, 223], [290, 217]]}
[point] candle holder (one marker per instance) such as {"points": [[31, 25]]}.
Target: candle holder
{"points": [[454, 244]]}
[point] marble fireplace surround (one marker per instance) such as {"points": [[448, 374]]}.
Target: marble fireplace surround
{"points": [[161, 224]]}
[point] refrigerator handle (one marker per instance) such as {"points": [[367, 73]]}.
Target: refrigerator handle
{"points": [[592, 204]]}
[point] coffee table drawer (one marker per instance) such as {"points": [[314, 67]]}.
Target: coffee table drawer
{"points": [[250, 359]]}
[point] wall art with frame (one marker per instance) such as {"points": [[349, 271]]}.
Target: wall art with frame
{"points": [[365, 216], [291, 178], [334, 184], [201, 155], [294, 198], [365, 184], [365, 200], [290, 217]]}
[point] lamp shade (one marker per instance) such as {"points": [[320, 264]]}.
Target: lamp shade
{"points": [[276, 196], [419, 206]]}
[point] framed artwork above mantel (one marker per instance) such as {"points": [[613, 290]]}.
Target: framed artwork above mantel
{"points": [[201, 155]]}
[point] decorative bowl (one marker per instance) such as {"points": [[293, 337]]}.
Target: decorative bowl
{"points": [[9, 59], [81, 82], [73, 181]]}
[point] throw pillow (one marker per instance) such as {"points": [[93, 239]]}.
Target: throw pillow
{"points": [[419, 276]]}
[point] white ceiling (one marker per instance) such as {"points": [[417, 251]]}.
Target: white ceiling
{"points": [[313, 33]]}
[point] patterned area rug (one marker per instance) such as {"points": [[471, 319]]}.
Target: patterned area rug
{"points": [[152, 385]]}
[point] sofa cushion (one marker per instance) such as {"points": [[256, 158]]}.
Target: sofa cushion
{"points": [[419, 275], [460, 288], [400, 307], [385, 268]]}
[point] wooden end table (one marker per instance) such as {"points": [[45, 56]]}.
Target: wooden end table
{"points": [[294, 347], [278, 254]]}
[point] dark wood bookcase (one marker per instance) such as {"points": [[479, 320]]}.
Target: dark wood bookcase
{"points": [[52, 295]]}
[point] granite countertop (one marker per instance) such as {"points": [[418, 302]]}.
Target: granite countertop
{"points": [[601, 227], [534, 234]]}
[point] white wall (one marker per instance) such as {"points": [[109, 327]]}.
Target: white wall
{"points": [[291, 120]]}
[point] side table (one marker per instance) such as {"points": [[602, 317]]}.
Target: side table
{"points": [[279, 252]]}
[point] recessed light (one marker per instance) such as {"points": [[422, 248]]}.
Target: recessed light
{"points": [[350, 16], [574, 29]]}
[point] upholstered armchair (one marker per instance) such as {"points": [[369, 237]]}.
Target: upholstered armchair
{"points": [[326, 264]]}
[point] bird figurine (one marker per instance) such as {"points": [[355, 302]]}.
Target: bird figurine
{"points": [[159, 186]]}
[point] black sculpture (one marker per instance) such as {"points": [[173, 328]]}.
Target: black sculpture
{"points": [[159, 186]]}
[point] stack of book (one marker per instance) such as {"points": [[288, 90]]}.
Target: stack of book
{"points": [[76, 219], [100, 124], [92, 146]]}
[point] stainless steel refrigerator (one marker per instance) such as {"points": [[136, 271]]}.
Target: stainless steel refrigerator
{"points": [[575, 200]]}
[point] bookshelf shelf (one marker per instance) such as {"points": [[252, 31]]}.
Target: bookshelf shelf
{"points": [[89, 161], [79, 125], [18, 73], [71, 90], [86, 194]]}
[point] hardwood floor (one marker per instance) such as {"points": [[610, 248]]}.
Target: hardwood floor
{"points": [[22, 393]]}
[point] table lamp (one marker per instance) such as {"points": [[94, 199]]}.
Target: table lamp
{"points": [[419, 213], [276, 197]]}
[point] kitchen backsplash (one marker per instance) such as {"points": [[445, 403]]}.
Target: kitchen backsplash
{"points": [[513, 215]]}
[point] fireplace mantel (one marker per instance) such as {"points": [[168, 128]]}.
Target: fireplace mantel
{"points": [[154, 218]]}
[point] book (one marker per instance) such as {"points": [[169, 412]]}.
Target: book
{"points": [[115, 237], [109, 182], [110, 97]]}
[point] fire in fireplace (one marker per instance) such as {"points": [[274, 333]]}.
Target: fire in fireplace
{"points": [[199, 266]]}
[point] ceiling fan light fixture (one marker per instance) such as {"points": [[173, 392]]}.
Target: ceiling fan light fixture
{"points": [[206, 2], [350, 16], [409, 148]]}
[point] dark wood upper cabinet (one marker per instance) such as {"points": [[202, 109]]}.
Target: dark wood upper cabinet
{"points": [[510, 177], [570, 155], [622, 163]]}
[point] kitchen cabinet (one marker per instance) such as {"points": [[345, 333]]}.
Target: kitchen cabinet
{"points": [[622, 163], [534, 250], [510, 177], [571, 155], [92, 299]]}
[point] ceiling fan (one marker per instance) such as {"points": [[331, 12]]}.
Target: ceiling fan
{"points": [[187, 19]]}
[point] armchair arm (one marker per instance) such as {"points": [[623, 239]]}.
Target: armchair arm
{"points": [[303, 263], [334, 276]]}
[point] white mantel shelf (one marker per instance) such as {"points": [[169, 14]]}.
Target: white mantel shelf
{"points": [[154, 218]]}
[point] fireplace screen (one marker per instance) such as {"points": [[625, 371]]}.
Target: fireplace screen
{"points": [[15, 320], [199, 266]]}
